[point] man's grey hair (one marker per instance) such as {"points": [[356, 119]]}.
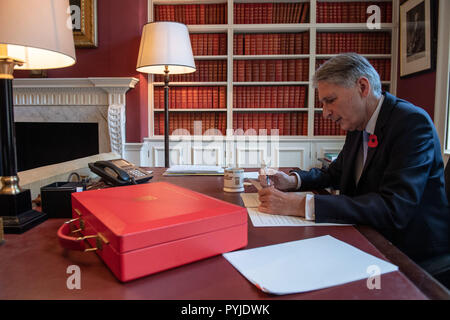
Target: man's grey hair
{"points": [[345, 69]]}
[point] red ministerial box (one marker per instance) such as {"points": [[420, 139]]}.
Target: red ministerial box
{"points": [[147, 228]]}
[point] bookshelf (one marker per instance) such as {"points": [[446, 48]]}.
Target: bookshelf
{"points": [[254, 61]]}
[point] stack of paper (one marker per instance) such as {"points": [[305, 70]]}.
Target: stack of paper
{"points": [[306, 265], [260, 219], [194, 170]]}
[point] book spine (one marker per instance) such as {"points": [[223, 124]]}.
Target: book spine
{"points": [[215, 97], [294, 124], [156, 124], [305, 124], [287, 124], [222, 98], [210, 102]]}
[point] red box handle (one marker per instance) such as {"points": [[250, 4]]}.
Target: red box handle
{"points": [[69, 242], [66, 240]]}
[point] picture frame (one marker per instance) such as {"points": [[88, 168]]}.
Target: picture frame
{"points": [[417, 37], [84, 23]]}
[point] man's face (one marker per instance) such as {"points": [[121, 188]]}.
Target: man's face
{"points": [[342, 105]]}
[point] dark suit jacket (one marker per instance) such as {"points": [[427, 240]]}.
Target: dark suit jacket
{"points": [[401, 192]]}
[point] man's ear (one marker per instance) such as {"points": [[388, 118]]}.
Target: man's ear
{"points": [[363, 86]]}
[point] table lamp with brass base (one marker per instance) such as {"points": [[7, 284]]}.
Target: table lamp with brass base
{"points": [[34, 34], [15, 203], [165, 49]]}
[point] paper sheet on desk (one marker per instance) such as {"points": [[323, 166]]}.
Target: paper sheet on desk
{"points": [[194, 170], [251, 175], [260, 219], [305, 265]]}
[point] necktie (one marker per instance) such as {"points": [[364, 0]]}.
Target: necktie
{"points": [[365, 145], [362, 156]]}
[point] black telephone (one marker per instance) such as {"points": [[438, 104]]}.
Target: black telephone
{"points": [[120, 172]]}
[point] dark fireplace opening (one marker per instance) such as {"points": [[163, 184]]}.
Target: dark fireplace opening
{"points": [[44, 143]]}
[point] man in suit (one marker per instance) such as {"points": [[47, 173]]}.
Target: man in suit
{"points": [[390, 171]]}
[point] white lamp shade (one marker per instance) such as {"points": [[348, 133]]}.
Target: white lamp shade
{"points": [[37, 32], [165, 44]]}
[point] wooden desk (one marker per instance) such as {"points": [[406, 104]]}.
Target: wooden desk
{"points": [[33, 265]]}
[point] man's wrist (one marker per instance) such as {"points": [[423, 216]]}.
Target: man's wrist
{"points": [[310, 207], [294, 181], [303, 207]]}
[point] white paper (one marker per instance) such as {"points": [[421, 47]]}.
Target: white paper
{"points": [[195, 169], [251, 175], [259, 219], [250, 200], [305, 265]]}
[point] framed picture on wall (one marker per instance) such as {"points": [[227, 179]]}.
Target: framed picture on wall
{"points": [[416, 37], [84, 22]]}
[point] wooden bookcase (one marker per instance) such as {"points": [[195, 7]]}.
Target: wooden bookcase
{"points": [[254, 61]]}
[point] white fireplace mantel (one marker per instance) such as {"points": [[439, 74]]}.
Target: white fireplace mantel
{"points": [[100, 100]]}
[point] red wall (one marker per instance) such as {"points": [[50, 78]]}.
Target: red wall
{"points": [[419, 89], [119, 25]]}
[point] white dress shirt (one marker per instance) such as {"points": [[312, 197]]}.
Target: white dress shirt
{"points": [[361, 159]]}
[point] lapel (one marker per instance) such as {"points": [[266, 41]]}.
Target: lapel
{"points": [[383, 118]]}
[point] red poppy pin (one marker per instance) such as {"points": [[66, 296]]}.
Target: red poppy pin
{"points": [[373, 141]]}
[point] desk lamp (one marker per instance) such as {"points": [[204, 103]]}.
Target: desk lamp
{"points": [[34, 34], [165, 48]]}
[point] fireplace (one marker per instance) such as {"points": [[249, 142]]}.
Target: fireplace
{"points": [[77, 100], [44, 143]]}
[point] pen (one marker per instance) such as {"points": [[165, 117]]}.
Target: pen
{"points": [[264, 169], [267, 180]]}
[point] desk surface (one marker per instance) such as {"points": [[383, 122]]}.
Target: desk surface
{"points": [[33, 265]]}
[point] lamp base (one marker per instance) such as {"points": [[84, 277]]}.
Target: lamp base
{"points": [[17, 214]]}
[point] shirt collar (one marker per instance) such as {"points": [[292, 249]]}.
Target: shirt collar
{"points": [[370, 127]]}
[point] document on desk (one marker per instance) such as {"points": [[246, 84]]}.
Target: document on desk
{"points": [[260, 219], [194, 170], [251, 175], [305, 265]]}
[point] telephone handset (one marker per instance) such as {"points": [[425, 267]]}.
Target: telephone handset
{"points": [[120, 172]]}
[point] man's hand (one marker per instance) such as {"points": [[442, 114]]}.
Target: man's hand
{"points": [[275, 201], [279, 179]]}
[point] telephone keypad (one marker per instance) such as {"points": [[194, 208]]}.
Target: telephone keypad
{"points": [[136, 173]]}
